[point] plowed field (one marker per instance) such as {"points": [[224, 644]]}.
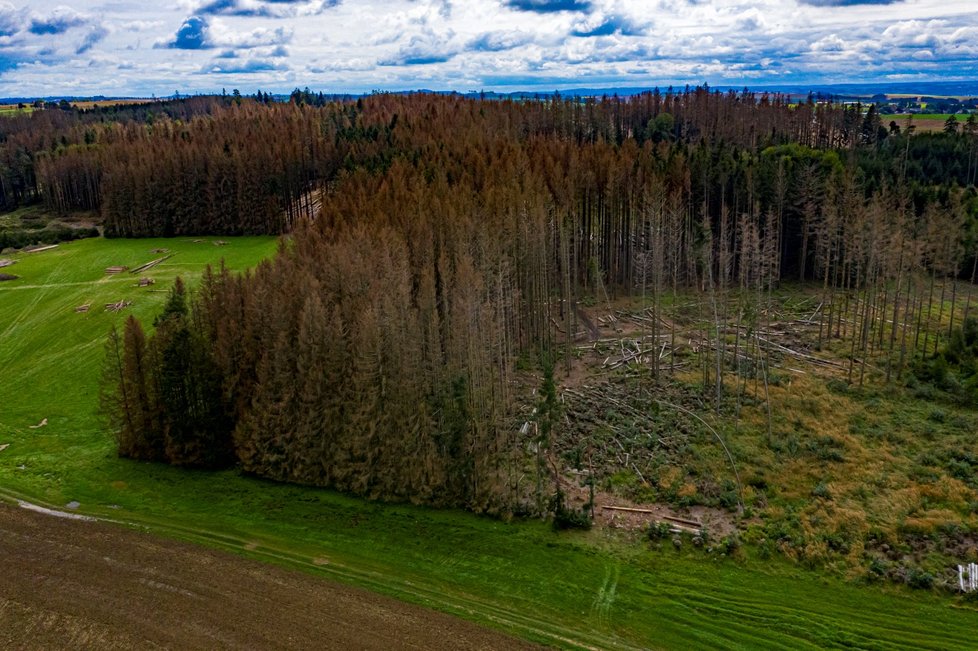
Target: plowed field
{"points": [[75, 584]]}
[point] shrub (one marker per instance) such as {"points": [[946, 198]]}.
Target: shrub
{"points": [[919, 579], [566, 517], [659, 531], [837, 386], [878, 568], [822, 491], [730, 544]]}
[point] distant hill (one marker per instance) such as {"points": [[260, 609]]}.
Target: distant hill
{"points": [[862, 90]]}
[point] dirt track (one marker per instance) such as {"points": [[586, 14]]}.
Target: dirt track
{"points": [[71, 584]]}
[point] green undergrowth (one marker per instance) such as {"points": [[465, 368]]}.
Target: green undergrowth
{"points": [[35, 226], [596, 589], [873, 483]]}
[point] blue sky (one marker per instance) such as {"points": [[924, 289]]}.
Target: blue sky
{"points": [[128, 47]]}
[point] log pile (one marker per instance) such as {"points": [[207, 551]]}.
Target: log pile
{"points": [[117, 307]]}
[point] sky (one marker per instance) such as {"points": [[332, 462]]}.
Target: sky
{"points": [[138, 48]]}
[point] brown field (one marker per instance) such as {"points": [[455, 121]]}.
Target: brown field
{"points": [[73, 584], [112, 102], [10, 109]]}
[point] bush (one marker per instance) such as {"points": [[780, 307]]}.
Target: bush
{"points": [[878, 568], [822, 491], [920, 580], [18, 239], [566, 517], [954, 370], [839, 387], [730, 544], [659, 531]]}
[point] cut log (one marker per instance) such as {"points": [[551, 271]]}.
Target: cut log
{"points": [[150, 264], [691, 523]]}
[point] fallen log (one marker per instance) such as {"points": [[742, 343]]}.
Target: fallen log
{"points": [[150, 264], [683, 525]]}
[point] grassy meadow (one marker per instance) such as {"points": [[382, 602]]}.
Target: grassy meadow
{"points": [[597, 589]]}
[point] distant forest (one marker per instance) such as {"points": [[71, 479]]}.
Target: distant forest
{"points": [[380, 352]]}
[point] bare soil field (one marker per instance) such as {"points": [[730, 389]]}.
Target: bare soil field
{"points": [[75, 584]]}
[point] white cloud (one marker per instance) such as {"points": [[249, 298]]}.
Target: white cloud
{"points": [[365, 44]]}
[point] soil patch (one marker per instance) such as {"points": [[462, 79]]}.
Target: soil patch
{"points": [[75, 584]]}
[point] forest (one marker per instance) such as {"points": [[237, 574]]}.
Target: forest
{"points": [[404, 342]]}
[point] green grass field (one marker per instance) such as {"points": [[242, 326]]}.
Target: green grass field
{"points": [[939, 116], [598, 589], [925, 121], [10, 110]]}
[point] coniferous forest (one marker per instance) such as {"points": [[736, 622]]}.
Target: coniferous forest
{"points": [[438, 246]]}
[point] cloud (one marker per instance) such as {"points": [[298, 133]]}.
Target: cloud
{"points": [[265, 8], [417, 58], [59, 21], [245, 67], [498, 41], [424, 49], [11, 20], [197, 33], [256, 38], [92, 38], [915, 33], [607, 26], [847, 3], [549, 6], [140, 25], [192, 35], [751, 20]]}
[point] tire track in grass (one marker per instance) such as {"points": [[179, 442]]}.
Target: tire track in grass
{"points": [[74, 283], [28, 309], [805, 626], [601, 606]]}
